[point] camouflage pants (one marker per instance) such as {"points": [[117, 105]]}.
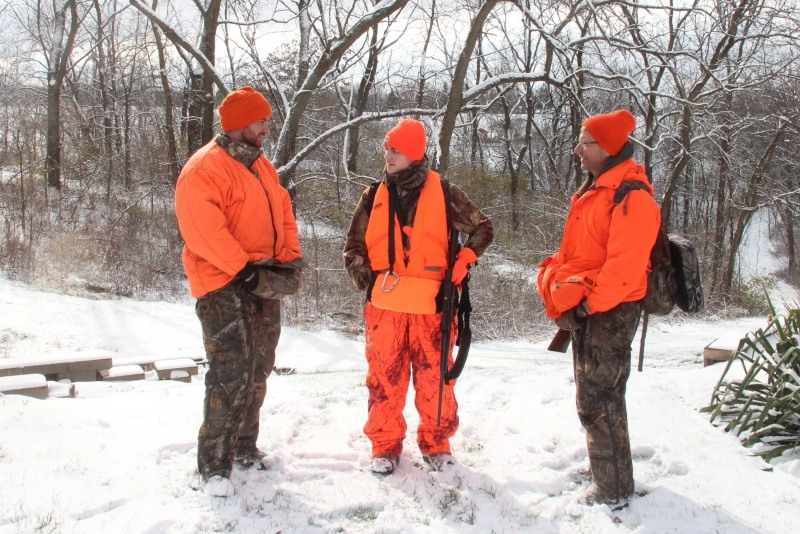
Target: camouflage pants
{"points": [[602, 364], [240, 333], [401, 348]]}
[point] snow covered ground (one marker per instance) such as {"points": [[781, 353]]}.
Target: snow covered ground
{"points": [[120, 457]]}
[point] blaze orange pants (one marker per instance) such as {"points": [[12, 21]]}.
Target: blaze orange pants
{"points": [[399, 346]]}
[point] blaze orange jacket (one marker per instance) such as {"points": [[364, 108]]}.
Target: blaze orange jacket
{"points": [[228, 217], [427, 255], [604, 255]]}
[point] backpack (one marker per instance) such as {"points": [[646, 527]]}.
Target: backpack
{"points": [[674, 277], [689, 291]]}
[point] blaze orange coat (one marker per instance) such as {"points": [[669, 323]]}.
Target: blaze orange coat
{"points": [[229, 216], [604, 255], [427, 255]]}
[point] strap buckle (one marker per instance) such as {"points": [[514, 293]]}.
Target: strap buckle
{"points": [[386, 277]]}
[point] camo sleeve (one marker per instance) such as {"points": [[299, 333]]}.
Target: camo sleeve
{"points": [[467, 218], [355, 256]]}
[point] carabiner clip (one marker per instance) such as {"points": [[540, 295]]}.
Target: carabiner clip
{"points": [[386, 277]]}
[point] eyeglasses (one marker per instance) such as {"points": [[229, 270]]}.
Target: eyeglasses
{"points": [[584, 144]]}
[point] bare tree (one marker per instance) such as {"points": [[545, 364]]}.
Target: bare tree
{"points": [[169, 126], [55, 31], [456, 100], [203, 76], [333, 51]]}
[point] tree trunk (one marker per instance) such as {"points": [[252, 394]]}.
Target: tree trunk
{"points": [[169, 126], [455, 101], [200, 118], [422, 74], [194, 116], [788, 220], [720, 222], [208, 48], [66, 26], [105, 99], [360, 103]]}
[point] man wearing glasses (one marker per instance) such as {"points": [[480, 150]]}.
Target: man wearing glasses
{"points": [[593, 287]]}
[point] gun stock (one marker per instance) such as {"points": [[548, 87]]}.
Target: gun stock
{"points": [[448, 308], [561, 341]]}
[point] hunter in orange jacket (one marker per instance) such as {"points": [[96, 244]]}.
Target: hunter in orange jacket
{"points": [[230, 215], [603, 260], [237, 223], [593, 287]]}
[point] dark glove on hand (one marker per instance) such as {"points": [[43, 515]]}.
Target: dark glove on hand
{"points": [[572, 319], [270, 282], [248, 276]]}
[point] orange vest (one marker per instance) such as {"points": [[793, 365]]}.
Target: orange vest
{"points": [[412, 285]]}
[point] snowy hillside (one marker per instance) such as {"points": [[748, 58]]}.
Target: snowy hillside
{"points": [[121, 457]]}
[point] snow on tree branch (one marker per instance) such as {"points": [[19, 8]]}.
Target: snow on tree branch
{"points": [[291, 165], [175, 38]]}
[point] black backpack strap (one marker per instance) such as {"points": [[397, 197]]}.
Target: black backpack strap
{"points": [[370, 200], [625, 187]]}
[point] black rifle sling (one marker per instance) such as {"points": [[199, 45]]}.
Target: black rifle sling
{"points": [[463, 304]]}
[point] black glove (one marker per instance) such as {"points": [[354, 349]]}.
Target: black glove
{"points": [[248, 276], [573, 319]]}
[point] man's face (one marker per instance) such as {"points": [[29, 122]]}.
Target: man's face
{"points": [[591, 155], [396, 161], [253, 134]]}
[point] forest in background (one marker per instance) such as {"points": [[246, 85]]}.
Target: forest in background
{"points": [[101, 102]]}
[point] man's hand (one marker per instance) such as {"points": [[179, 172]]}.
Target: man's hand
{"points": [[248, 276], [573, 319], [270, 282], [363, 278], [464, 260]]}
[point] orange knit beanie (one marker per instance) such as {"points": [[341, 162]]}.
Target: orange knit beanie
{"points": [[243, 107], [611, 130], [408, 138]]}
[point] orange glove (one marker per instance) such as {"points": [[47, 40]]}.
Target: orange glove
{"points": [[464, 260]]}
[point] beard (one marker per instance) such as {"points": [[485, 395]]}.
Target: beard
{"points": [[253, 139]]}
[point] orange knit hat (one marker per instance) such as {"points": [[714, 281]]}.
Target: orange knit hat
{"points": [[243, 107], [611, 130], [408, 138]]}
